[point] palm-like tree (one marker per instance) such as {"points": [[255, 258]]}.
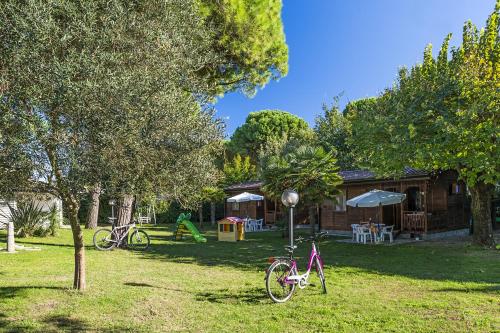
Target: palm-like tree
{"points": [[311, 171]]}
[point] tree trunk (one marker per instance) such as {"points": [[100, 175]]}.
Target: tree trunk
{"points": [[481, 213], [212, 213], [312, 219], [93, 213], [72, 206], [79, 281], [200, 215], [125, 210], [125, 213], [318, 217]]}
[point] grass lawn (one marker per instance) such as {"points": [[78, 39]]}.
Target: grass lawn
{"points": [[219, 287]]}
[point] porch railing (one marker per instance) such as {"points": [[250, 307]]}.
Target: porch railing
{"points": [[414, 222]]}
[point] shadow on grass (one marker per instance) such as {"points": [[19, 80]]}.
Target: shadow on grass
{"points": [[14, 291], [495, 289], [137, 284], [44, 243], [458, 262], [66, 324], [58, 323], [248, 296]]}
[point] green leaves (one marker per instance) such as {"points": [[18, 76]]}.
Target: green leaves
{"points": [[250, 39], [239, 170], [264, 126], [309, 170], [441, 114]]}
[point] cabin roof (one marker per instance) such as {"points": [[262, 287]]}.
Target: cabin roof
{"points": [[349, 176], [361, 175]]}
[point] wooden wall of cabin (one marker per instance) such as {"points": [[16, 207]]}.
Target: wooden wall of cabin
{"points": [[341, 220], [448, 206], [242, 209], [334, 219]]}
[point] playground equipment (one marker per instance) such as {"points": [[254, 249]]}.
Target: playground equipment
{"points": [[184, 226], [231, 229]]}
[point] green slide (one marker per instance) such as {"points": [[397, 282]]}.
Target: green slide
{"points": [[185, 226]]}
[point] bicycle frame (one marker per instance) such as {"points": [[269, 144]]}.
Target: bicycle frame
{"points": [[296, 278], [124, 234]]}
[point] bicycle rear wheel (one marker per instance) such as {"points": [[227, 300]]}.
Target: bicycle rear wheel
{"points": [[321, 274], [139, 240], [277, 289], [103, 240]]}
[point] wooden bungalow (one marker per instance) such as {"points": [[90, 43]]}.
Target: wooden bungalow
{"points": [[268, 209], [434, 202]]}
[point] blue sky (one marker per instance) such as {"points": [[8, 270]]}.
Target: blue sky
{"points": [[352, 47]]}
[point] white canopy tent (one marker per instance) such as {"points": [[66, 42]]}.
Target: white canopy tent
{"points": [[376, 198], [245, 197]]}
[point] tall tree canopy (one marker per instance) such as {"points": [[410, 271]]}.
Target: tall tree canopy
{"points": [[250, 39], [238, 170], [333, 130], [443, 114], [263, 126]]}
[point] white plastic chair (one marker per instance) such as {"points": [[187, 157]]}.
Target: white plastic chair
{"points": [[249, 225], [387, 231], [364, 233], [246, 224], [259, 225], [355, 232]]}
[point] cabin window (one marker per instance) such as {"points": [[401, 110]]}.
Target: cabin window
{"points": [[454, 188], [340, 203], [236, 206]]}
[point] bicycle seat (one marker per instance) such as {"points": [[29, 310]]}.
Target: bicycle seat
{"points": [[290, 248]]}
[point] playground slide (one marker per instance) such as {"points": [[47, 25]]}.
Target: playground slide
{"points": [[185, 226], [194, 231]]}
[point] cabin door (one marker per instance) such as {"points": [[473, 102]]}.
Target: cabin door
{"points": [[260, 210], [391, 214]]}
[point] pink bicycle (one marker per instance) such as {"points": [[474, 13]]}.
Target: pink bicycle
{"points": [[282, 276]]}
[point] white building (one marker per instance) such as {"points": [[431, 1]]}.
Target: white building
{"points": [[44, 200]]}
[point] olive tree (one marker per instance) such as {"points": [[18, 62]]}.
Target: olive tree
{"points": [[74, 84]]}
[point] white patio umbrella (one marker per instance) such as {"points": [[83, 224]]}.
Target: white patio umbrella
{"points": [[245, 197], [376, 198]]}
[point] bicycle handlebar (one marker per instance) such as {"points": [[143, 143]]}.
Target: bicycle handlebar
{"points": [[316, 237]]}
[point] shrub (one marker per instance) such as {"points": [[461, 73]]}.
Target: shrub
{"points": [[28, 218], [54, 221]]}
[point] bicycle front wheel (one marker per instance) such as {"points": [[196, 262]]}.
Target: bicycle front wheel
{"points": [[103, 240], [277, 289], [139, 240], [321, 274]]}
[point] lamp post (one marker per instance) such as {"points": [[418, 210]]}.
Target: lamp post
{"points": [[112, 203], [290, 199]]}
